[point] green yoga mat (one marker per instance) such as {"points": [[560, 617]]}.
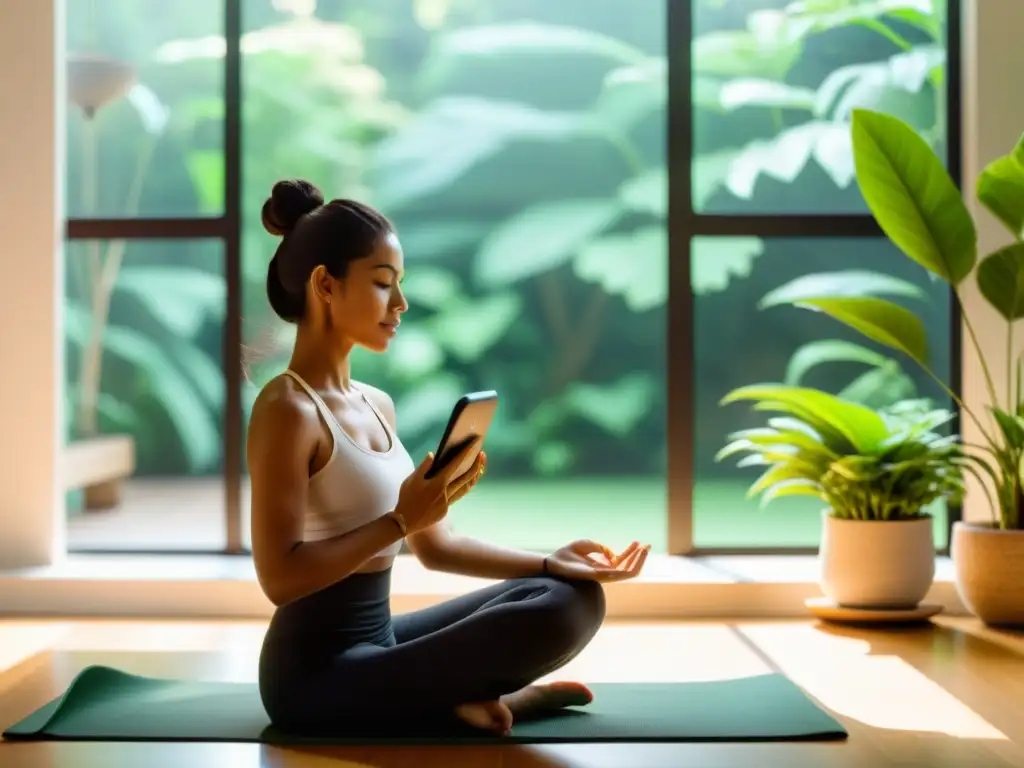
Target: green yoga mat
{"points": [[105, 704]]}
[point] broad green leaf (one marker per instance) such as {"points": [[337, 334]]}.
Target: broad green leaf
{"points": [[739, 53], [633, 265], [1001, 281], [455, 133], [880, 387], [715, 261], [428, 405], [843, 283], [206, 171], [618, 407], [630, 94], [1000, 189], [415, 353], [880, 320], [912, 196], [468, 328], [647, 192], [438, 239], [541, 238], [468, 46], [862, 427], [196, 428], [814, 16], [816, 353], [204, 373], [755, 92], [180, 298], [785, 156], [887, 86], [429, 286], [709, 173]]}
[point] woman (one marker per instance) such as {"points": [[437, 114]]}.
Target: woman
{"points": [[334, 494]]}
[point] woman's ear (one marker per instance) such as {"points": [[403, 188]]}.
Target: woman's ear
{"points": [[322, 284]]}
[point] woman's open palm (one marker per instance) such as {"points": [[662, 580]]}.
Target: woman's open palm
{"points": [[589, 560]]}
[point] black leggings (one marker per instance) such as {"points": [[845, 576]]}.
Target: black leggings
{"points": [[337, 658]]}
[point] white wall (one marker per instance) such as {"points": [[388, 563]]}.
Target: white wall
{"points": [[31, 164], [993, 121]]}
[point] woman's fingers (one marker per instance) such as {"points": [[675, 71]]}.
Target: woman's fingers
{"points": [[636, 561], [586, 547], [625, 553]]}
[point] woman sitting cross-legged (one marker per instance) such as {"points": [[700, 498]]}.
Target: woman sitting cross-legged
{"points": [[334, 494]]}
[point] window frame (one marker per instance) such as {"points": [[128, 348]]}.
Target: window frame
{"points": [[228, 229], [684, 224]]}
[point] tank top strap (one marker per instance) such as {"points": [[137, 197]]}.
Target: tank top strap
{"points": [[325, 412], [377, 412]]}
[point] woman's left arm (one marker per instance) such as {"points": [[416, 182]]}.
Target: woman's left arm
{"points": [[439, 548]]}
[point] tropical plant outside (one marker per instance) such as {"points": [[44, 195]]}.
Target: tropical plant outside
{"points": [[515, 193]]}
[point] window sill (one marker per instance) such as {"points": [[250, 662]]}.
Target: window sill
{"points": [[226, 587]]}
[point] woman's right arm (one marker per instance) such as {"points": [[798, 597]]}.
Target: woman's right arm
{"points": [[282, 440]]}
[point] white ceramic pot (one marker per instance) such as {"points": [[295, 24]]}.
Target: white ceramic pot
{"points": [[989, 566], [876, 564]]}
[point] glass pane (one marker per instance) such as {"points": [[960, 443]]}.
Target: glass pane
{"points": [[738, 344], [144, 378], [145, 112], [774, 84], [529, 190]]}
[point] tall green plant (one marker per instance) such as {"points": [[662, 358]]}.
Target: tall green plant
{"points": [[918, 206]]}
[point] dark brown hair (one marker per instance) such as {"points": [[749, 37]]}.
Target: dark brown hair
{"points": [[333, 234]]}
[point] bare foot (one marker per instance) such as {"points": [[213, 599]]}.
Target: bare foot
{"points": [[487, 715], [539, 699]]}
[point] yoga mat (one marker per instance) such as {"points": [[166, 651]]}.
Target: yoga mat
{"points": [[106, 704]]}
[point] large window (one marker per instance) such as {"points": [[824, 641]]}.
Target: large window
{"points": [[773, 197], [593, 196]]}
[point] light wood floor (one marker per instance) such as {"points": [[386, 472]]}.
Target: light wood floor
{"points": [[947, 695]]}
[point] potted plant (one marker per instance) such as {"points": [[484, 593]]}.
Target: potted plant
{"points": [[918, 206], [877, 472]]}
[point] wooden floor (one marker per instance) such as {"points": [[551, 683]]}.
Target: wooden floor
{"points": [[947, 695]]}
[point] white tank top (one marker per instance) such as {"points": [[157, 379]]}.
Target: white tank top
{"points": [[356, 485]]}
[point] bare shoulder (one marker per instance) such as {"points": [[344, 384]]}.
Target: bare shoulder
{"points": [[381, 399], [283, 409]]}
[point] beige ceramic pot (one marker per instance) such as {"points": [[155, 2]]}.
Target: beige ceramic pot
{"points": [[876, 564], [989, 565]]}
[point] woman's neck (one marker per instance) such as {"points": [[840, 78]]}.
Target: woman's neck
{"points": [[321, 361]]}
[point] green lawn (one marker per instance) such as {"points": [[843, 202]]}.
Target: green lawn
{"points": [[547, 514]]}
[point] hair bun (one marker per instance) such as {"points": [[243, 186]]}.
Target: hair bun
{"points": [[289, 201]]}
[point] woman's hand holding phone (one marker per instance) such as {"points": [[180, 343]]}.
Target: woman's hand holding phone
{"points": [[423, 501], [463, 484]]}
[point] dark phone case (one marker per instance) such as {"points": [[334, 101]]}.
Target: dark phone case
{"points": [[471, 417]]}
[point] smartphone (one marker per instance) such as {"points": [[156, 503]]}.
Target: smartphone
{"points": [[471, 417]]}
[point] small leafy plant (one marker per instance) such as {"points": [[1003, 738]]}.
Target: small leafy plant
{"points": [[864, 464], [918, 206]]}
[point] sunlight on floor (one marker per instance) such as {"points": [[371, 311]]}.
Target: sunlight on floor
{"points": [[664, 653], [880, 691], [22, 639]]}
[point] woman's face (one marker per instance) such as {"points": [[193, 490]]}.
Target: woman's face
{"points": [[366, 306]]}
